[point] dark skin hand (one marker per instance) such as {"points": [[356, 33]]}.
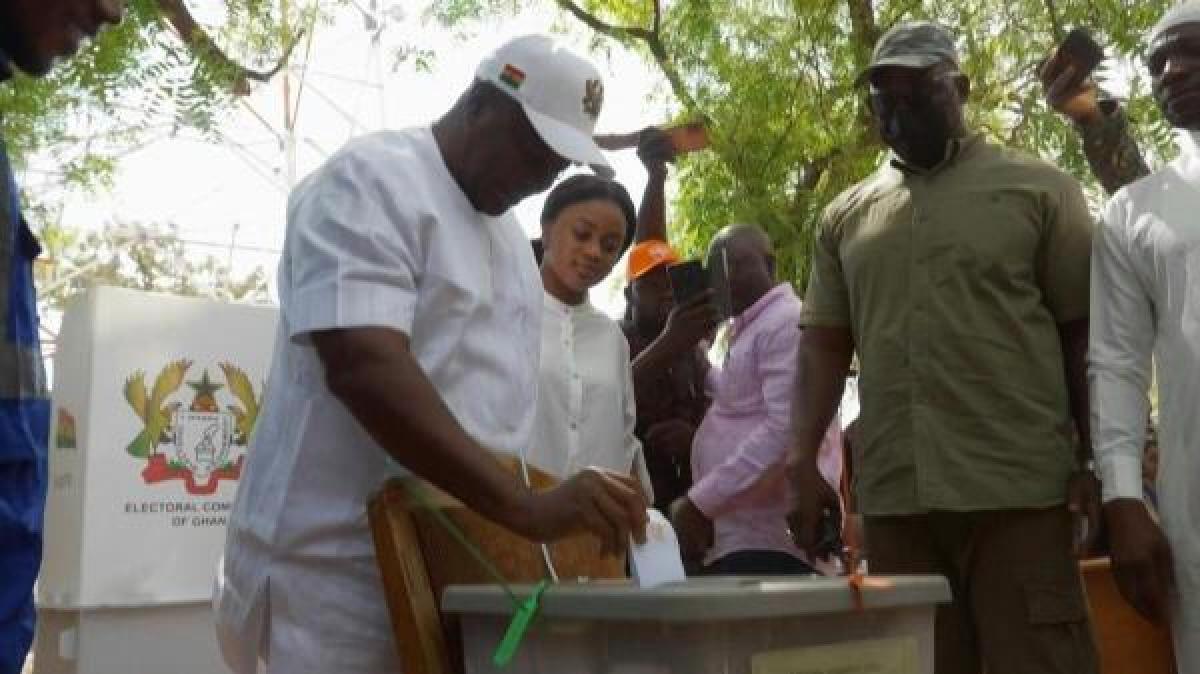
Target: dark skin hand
{"points": [[1067, 93], [687, 325], [373, 372], [822, 366], [1141, 558], [693, 528], [655, 150]]}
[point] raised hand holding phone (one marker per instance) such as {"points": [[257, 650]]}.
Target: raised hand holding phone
{"points": [[1067, 77]]}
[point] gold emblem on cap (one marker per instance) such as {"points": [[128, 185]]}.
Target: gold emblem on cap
{"points": [[593, 97]]}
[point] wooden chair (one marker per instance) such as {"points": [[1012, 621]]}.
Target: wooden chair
{"points": [[418, 557], [1128, 643]]}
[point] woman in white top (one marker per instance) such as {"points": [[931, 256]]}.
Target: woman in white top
{"points": [[586, 413]]}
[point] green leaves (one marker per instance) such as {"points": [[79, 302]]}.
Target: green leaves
{"points": [[142, 75]]}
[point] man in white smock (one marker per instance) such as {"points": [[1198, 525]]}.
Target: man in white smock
{"points": [[409, 337], [1146, 301]]}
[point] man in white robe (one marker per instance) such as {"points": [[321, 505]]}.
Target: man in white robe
{"points": [[1146, 302]]}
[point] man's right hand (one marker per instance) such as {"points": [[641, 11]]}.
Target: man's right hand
{"points": [[1067, 93], [692, 321], [812, 498], [608, 504], [1141, 558]]}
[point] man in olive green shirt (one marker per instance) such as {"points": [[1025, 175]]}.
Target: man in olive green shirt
{"points": [[959, 271]]}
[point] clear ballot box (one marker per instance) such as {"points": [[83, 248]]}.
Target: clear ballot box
{"points": [[803, 625]]}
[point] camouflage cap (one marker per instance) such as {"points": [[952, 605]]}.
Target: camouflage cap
{"points": [[916, 44]]}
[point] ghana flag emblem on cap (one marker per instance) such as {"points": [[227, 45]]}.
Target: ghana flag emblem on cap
{"points": [[512, 76]]}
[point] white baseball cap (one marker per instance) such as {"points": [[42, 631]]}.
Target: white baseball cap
{"points": [[560, 92]]}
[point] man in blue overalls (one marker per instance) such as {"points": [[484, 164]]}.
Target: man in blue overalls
{"points": [[33, 33]]}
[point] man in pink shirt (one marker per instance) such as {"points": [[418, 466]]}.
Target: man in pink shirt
{"points": [[734, 516]]}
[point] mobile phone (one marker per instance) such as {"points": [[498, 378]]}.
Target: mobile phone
{"points": [[688, 279], [1083, 52], [688, 137]]}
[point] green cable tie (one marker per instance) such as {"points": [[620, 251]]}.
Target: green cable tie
{"points": [[516, 629]]}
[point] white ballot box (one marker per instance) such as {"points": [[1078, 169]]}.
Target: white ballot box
{"points": [[155, 398], [710, 625]]}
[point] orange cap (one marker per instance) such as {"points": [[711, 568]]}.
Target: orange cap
{"points": [[650, 255]]}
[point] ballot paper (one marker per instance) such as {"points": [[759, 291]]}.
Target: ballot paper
{"points": [[658, 561]]}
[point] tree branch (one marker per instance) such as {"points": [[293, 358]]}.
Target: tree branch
{"points": [[865, 32], [793, 118], [863, 29], [652, 40], [1024, 108], [177, 15], [1055, 21], [659, 50], [600, 26], [673, 77]]}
